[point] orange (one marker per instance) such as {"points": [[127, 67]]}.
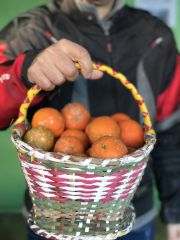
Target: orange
{"points": [[76, 116], [79, 134], [69, 145], [120, 117], [40, 137], [131, 133], [49, 118], [102, 126], [108, 147]]}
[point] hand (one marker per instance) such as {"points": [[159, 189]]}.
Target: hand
{"points": [[173, 232], [54, 65]]}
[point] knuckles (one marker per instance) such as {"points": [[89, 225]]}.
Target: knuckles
{"points": [[83, 53], [47, 86], [63, 43], [71, 73]]}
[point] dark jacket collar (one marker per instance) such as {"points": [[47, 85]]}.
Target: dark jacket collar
{"points": [[86, 18]]}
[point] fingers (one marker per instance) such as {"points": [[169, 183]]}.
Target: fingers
{"points": [[45, 74], [65, 65], [53, 66], [52, 73], [40, 79], [96, 74], [173, 232], [81, 55]]}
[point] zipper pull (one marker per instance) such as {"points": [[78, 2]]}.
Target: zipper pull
{"points": [[109, 47]]}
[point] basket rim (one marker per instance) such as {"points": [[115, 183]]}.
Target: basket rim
{"points": [[133, 158]]}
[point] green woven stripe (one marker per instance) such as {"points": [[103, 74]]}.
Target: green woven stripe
{"points": [[101, 171], [65, 226], [69, 229], [67, 207], [65, 217]]}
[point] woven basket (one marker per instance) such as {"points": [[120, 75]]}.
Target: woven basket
{"points": [[82, 198]]}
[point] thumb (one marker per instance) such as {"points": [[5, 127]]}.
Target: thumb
{"points": [[173, 232]]}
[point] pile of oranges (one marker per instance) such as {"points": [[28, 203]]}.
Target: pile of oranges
{"points": [[74, 131]]}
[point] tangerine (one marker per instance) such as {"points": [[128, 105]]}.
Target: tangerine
{"points": [[79, 134], [120, 117], [49, 118], [69, 145], [76, 115], [131, 133], [40, 137], [102, 126], [108, 147]]}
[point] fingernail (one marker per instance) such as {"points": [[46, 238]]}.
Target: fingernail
{"points": [[88, 75], [96, 74]]}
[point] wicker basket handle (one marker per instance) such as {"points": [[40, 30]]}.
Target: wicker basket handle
{"points": [[149, 131]]}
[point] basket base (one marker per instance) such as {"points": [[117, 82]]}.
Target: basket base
{"points": [[129, 215]]}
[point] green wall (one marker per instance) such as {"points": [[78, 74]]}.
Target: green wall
{"points": [[12, 183], [11, 8], [177, 27]]}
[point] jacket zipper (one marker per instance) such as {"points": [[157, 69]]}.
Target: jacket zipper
{"points": [[108, 47]]}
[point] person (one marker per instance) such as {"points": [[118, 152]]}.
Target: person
{"points": [[40, 47]]}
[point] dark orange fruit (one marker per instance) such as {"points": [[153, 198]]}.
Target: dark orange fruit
{"points": [[108, 147], [49, 118], [69, 145], [120, 117], [102, 126], [76, 116], [40, 137], [131, 133], [79, 134]]}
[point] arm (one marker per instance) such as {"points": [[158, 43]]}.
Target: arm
{"points": [[49, 67], [12, 90], [166, 154], [15, 42]]}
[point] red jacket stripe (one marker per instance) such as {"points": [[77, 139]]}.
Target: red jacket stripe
{"points": [[170, 98]]}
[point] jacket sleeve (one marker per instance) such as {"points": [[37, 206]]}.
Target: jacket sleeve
{"points": [[166, 155], [20, 42]]}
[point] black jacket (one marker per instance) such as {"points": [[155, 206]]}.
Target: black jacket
{"points": [[138, 45]]}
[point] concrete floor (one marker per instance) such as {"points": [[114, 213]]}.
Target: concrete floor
{"points": [[13, 227]]}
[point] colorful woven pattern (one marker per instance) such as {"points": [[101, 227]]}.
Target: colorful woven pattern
{"points": [[82, 198]]}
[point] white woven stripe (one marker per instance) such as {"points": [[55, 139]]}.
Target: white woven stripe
{"points": [[74, 169], [70, 189], [33, 166], [123, 185], [86, 162], [104, 183], [28, 180], [44, 179], [84, 184], [105, 162]]}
